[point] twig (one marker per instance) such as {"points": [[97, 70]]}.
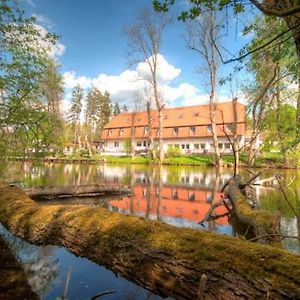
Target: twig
{"points": [[213, 207], [274, 234], [202, 284], [102, 294], [67, 283], [287, 200]]}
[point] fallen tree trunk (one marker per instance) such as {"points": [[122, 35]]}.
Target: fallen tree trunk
{"points": [[165, 259], [75, 191], [252, 223]]}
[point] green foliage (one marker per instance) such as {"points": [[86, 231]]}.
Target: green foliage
{"points": [[25, 122], [280, 124], [173, 151], [98, 111], [128, 146], [116, 109]]}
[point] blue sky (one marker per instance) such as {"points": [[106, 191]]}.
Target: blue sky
{"points": [[93, 48]]}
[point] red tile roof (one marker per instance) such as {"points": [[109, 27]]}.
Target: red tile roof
{"points": [[181, 117]]}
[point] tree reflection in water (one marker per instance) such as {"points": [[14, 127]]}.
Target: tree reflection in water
{"points": [[38, 263]]}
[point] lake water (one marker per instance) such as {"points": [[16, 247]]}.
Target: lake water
{"points": [[180, 196]]}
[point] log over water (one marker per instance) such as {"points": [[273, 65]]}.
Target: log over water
{"points": [[75, 191], [165, 259]]}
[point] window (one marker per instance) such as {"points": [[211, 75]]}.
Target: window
{"points": [[175, 194], [227, 146], [196, 146], [209, 128], [145, 143], [116, 144], [191, 196], [187, 146], [146, 129], [220, 146], [121, 131], [139, 143], [175, 130], [109, 132], [202, 146], [209, 197], [183, 146], [192, 130]]}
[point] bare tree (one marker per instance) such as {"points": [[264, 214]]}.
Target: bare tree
{"points": [[201, 37], [145, 38]]}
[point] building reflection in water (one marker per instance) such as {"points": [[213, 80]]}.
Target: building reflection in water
{"points": [[183, 204]]}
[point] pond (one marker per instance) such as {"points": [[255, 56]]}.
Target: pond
{"points": [[180, 196]]}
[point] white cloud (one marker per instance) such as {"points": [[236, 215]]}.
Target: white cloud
{"points": [[124, 87], [43, 20], [71, 80], [53, 50]]}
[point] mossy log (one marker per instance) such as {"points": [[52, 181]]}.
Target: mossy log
{"points": [[253, 223], [165, 259], [54, 192], [13, 280]]}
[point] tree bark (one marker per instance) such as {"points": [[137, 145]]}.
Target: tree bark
{"points": [[75, 191], [163, 258]]}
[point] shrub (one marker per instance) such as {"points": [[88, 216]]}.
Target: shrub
{"points": [[173, 152]]}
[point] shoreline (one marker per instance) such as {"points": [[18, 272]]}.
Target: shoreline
{"points": [[189, 161]]}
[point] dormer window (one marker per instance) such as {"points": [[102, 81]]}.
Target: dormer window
{"points": [[180, 116], [121, 131], [192, 130], [175, 130]]}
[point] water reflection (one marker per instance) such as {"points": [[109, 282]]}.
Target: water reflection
{"points": [[177, 195], [46, 269]]}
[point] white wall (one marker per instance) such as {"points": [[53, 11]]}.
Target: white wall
{"points": [[185, 145]]}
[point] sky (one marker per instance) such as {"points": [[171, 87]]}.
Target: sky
{"points": [[93, 50]]}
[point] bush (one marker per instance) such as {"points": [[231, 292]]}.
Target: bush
{"points": [[173, 152]]}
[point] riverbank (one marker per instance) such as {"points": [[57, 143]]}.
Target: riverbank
{"points": [[265, 160]]}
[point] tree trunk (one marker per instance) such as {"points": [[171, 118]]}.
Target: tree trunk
{"points": [[212, 113], [162, 258], [252, 149], [160, 135], [75, 191], [133, 134], [150, 131]]}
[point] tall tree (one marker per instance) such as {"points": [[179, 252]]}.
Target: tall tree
{"points": [[145, 39], [23, 63], [201, 36], [274, 69], [97, 114], [75, 113], [116, 109], [52, 87]]}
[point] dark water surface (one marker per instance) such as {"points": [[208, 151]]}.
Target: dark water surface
{"points": [[180, 196]]}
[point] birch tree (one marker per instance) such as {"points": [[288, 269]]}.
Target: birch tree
{"points": [[145, 39], [201, 37]]}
